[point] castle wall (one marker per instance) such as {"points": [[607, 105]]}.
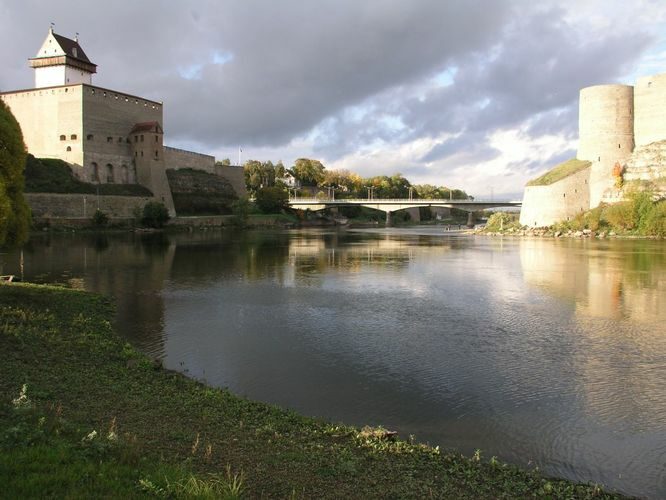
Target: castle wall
{"points": [[51, 121], [560, 201], [650, 109], [52, 205], [606, 129], [108, 118], [180, 158], [235, 175]]}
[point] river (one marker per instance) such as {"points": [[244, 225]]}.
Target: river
{"points": [[548, 353]]}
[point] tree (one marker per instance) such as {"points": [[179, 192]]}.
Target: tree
{"points": [[271, 200], [155, 214], [14, 211], [308, 172], [224, 163]]}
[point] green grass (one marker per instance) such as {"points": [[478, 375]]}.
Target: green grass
{"points": [[559, 172], [160, 434]]}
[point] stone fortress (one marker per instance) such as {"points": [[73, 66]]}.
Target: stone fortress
{"points": [[105, 136], [622, 134]]}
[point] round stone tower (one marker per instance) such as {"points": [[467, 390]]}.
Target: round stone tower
{"points": [[606, 128], [650, 106]]}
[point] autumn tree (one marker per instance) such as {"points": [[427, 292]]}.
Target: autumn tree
{"points": [[308, 172], [14, 211]]}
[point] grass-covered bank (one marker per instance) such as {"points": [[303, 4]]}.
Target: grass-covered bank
{"points": [[99, 419]]}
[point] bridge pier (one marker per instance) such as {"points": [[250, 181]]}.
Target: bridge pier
{"points": [[470, 220], [389, 221]]}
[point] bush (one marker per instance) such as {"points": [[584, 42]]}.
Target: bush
{"points": [[241, 209], [155, 214], [99, 218], [502, 221], [271, 200]]}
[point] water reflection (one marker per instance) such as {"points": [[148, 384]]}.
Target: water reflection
{"points": [[533, 350]]}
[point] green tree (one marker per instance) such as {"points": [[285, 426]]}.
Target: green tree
{"points": [[155, 214], [224, 163], [271, 200], [308, 172], [14, 211]]}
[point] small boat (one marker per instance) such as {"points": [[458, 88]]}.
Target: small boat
{"points": [[8, 278]]}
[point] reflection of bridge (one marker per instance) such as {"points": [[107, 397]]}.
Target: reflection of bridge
{"points": [[389, 206]]}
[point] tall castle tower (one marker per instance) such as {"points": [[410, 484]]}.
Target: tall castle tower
{"points": [[606, 130], [61, 61]]}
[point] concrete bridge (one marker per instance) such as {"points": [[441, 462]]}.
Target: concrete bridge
{"points": [[393, 205]]}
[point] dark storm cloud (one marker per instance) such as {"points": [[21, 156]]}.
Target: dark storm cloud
{"points": [[292, 63], [534, 72]]}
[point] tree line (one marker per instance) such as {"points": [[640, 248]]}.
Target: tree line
{"points": [[309, 177]]}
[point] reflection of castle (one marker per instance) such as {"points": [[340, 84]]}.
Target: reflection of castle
{"points": [[105, 135], [602, 285], [621, 127]]}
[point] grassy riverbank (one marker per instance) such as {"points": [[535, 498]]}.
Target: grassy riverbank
{"points": [[83, 414]]}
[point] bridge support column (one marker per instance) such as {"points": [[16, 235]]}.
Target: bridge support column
{"points": [[389, 221], [470, 219]]}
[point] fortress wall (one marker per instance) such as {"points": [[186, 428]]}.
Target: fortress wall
{"points": [[650, 109], [562, 200], [235, 175], [51, 205], [108, 117], [180, 158], [606, 128], [45, 115]]}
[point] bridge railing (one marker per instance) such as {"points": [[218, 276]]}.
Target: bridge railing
{"points": [[315, 201]]}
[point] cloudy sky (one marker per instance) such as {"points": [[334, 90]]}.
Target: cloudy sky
{"points": [[477, 94]]}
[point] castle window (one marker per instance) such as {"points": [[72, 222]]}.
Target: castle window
{"points": [[109, 139], [63, 137], [120, 139], [95, 172], [136, 138], [157, 139], [564, 195], [92, 91], [73, 137], [142, 154], [156, 154], [136, 154], [599, 159], [109, 173], [89, 137], [619, 146], [69, 148], [141, 138]]}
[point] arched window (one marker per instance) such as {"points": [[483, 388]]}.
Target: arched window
{"points": [[63, 137], [109, 173], [95, 172], [73, 137], [69, 148]]}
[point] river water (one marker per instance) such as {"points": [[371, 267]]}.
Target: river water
{"points": [[548, 353]]}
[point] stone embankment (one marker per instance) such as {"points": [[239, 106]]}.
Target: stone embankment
{"points": [[552, 233]]}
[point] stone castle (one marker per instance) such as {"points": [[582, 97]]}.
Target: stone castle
{"points": [[622, 138], [106, 136]]}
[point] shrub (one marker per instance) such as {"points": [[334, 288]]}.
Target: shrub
{"points": [[155, 214], [502, 221], [99, 218], [272, 200]]}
